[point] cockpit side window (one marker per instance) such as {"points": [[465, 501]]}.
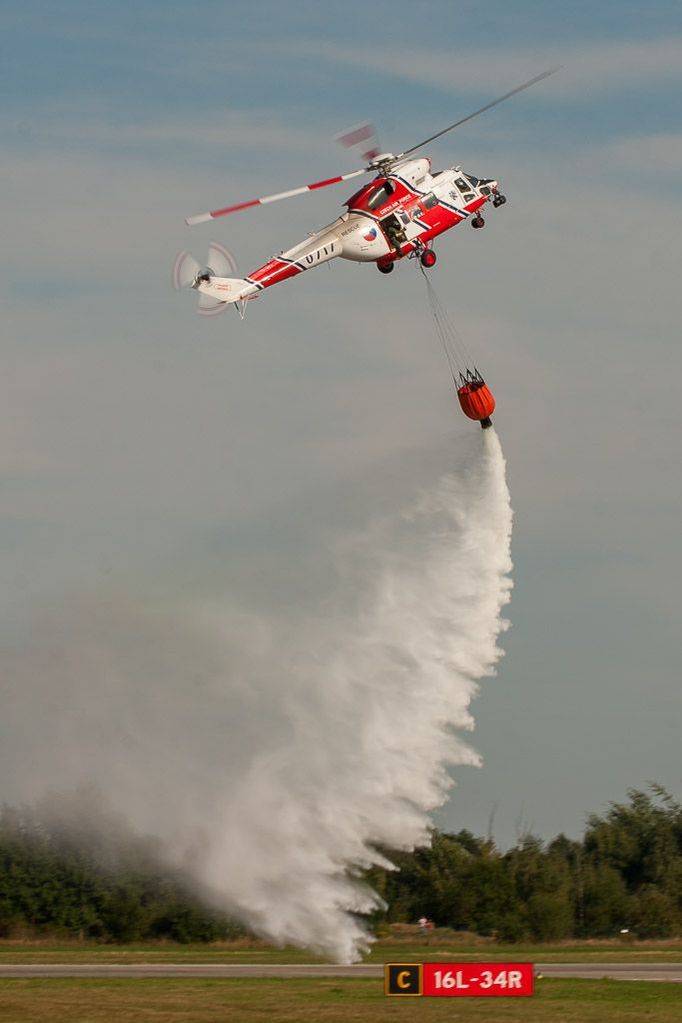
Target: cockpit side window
{"points": [[465, 188], [380, 196]]}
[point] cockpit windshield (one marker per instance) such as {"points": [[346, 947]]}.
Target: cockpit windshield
{"points": [[380, 196], [472, 179]]}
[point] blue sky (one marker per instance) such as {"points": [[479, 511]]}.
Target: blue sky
{"points": [[143, 449]]}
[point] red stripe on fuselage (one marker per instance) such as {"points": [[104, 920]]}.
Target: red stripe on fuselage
{"points": [[274, 271], [439, 218]]}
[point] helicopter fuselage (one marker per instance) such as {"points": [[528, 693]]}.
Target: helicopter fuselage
{"points": [[395, 215]]}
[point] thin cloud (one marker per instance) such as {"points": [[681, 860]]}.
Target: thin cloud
{"points": [[658, 154], [233, 130], [606, 66]]}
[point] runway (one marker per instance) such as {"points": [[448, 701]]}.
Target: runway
{"points": [[671, 972]]}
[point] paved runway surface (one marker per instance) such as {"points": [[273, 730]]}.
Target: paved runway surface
{"points": [[615, 971]]}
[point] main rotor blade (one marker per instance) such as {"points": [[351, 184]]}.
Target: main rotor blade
{"points": [[500, 99], [362, 140], [201, 218]]}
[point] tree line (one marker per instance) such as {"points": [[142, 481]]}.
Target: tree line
{"points": [[96, 879], [625, 875], [90, 876]]}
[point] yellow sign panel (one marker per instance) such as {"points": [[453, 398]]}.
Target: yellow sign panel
{"points": [[403, 979]]}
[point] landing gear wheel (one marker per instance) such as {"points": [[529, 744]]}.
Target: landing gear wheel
{"points": [[477, 222], [428, 258], [386, 269]]}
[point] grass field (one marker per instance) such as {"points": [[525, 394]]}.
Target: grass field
{"points": [[325, 1001], [328, 1000]]}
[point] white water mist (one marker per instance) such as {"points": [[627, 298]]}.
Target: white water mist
{"points": [[271, 759]]}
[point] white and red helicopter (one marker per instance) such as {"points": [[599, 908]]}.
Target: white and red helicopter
{"points": [[398, 214]]}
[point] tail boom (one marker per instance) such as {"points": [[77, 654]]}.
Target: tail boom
{"points": [[308, 254]]}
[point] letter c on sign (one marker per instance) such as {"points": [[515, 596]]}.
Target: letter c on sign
{"points": [[400, 979]]}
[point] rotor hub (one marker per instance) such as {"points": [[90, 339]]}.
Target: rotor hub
{"points": [[381, 162]]}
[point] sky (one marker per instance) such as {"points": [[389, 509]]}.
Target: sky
{"points": [[149, 452]]}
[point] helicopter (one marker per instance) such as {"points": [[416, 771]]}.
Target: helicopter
{"points": [[396, 215]]}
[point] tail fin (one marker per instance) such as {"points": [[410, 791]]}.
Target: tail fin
{"points": [[225, 289]]}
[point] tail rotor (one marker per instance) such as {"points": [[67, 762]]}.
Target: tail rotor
{"points": [[187, 272], [221, 262]]}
